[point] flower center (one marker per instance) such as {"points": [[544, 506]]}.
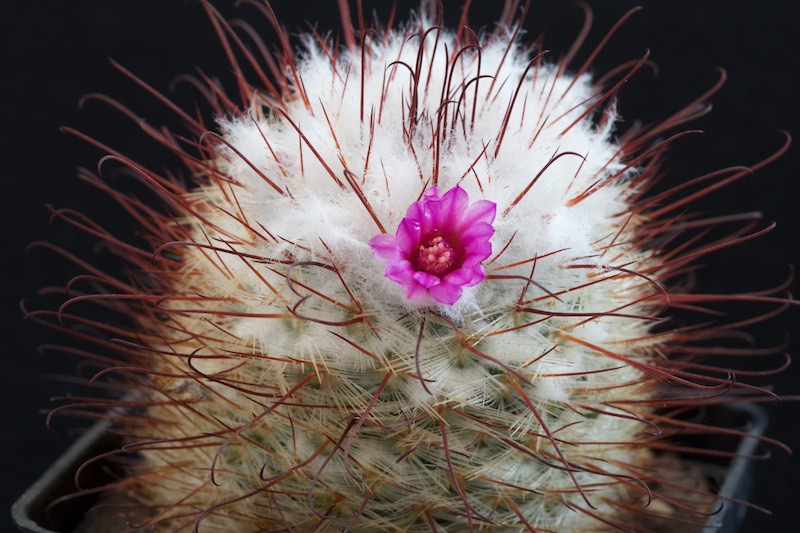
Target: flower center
{"points": [[436, 257]]}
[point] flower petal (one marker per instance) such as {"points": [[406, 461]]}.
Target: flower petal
{"points": [[446, 293], [385, 247], [431, 194], [408, 236], [400, 271], [415, 291], [447, 212], [481, 231], [478, 275], [481, 211], [426, 280], [465, 276], [477, 255]]}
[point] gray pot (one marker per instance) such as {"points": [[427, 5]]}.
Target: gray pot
{"points": [[33, 512]]}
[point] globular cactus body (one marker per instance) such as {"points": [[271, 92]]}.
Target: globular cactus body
{"points": [[301, 362]]}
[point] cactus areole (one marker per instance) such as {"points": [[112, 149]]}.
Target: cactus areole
{"points": [[415, 281]]}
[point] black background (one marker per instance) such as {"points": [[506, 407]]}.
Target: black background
{"points": [[54, 52]]}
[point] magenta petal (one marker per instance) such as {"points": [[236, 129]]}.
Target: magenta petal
{"points": [[431, 194], [467, 277], [400, 271], [426, 280], [458, 277], [447, 212], [416, 292], [456, 202], [481, 231], [419, 211], [477, 255], [408, 236], [480, 211], [446, 293], [475, 260], [384, 247], [477, 276], [416, 212]]}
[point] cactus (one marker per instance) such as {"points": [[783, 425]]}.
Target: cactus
{"points": [[417, 283]]}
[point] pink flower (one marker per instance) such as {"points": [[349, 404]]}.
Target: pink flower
{"points": [[439, 245]]}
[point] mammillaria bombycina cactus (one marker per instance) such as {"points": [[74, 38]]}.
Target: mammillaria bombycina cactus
{"points": [[413, 283]]}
